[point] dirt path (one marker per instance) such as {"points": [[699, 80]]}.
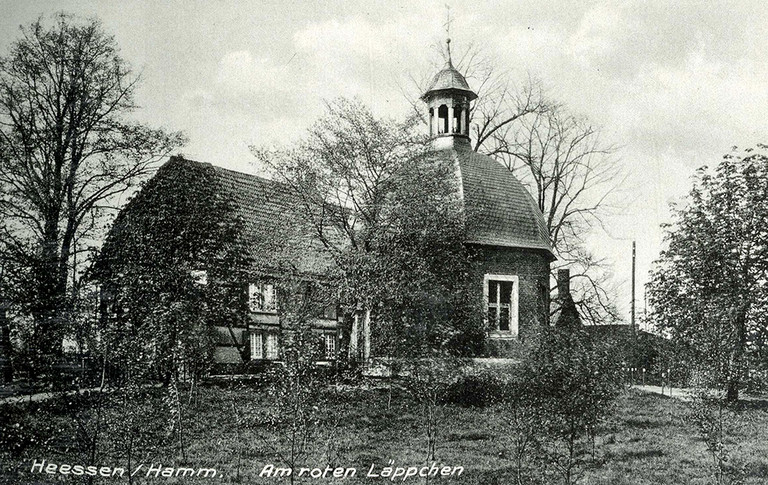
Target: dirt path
{"points": [[42, 396], [676, 392]]}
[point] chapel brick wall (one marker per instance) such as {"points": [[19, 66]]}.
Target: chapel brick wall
{"points": [[532, 269]]}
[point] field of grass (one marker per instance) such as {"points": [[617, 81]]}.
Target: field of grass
{"points": [[646, 441]]}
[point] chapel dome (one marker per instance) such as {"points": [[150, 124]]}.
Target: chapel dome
{"points": [[449, 79], [499, 210]]}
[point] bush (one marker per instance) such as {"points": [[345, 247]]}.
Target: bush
{"points": [[478, 388]]}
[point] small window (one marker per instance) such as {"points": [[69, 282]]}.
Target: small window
{"points": [[257, 346], [273, 350], [501, 303], [330, 346], [466, 121], [457, 119], [262, 297], [199, 276], [442, 119]]}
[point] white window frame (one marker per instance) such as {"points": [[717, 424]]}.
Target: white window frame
{"points": [[513, 310], [265, 345], [262, 297]]}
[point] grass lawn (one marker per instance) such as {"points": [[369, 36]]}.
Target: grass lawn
{"points": [[646, 441]]}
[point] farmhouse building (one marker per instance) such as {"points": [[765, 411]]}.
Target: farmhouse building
{"points": [[505, 230]]}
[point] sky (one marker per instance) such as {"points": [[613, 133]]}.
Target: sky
{"points": [[674, 85]]}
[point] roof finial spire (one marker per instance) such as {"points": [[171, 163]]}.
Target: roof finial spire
{"points": [[448, 32]]}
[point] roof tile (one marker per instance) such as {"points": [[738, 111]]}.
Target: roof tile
{"points": [[498, 208]]}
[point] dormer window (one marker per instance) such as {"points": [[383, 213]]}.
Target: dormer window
{"points": [[262, 297]]}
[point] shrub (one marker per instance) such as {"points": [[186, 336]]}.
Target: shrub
{"points": [[478, 388]]}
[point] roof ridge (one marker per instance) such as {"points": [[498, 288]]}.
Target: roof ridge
{"points": [[219, 168]]}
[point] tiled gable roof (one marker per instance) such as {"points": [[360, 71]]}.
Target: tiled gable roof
{"points": [[267, 211], [498, 208], [499, 211]]}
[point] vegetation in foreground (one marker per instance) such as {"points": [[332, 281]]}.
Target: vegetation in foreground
{"points": [[647, 441]]}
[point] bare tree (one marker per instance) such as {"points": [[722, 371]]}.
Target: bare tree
{"points": [[572, 174], [67, 150]]}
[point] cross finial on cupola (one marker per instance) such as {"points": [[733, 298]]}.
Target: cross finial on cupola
{"points": [[448, 21], [448, 100]]}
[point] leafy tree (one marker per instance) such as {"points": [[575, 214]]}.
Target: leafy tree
{"points": [[707, 291], [386, 209], [568, 385], [718, 423], [68, 149]]}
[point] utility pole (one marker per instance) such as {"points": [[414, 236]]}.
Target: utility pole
{"points": [[632, 305]]}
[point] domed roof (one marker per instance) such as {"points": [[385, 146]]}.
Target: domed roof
{"points": [[498, 208], [449, 79]]}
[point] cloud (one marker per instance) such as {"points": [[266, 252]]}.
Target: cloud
{"points": [[239, 73], [351, 57]]}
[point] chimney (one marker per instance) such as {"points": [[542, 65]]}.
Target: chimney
{"points": [[563, 283]]}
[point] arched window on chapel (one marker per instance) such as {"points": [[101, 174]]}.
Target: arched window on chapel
{"points": [[442, 119]]}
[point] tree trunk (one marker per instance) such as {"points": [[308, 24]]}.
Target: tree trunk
{"points": [[737, 356], [367, 336], [51, 286]]}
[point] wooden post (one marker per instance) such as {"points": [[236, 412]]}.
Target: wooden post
{"points": [[353, 336], [632, 306]]}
